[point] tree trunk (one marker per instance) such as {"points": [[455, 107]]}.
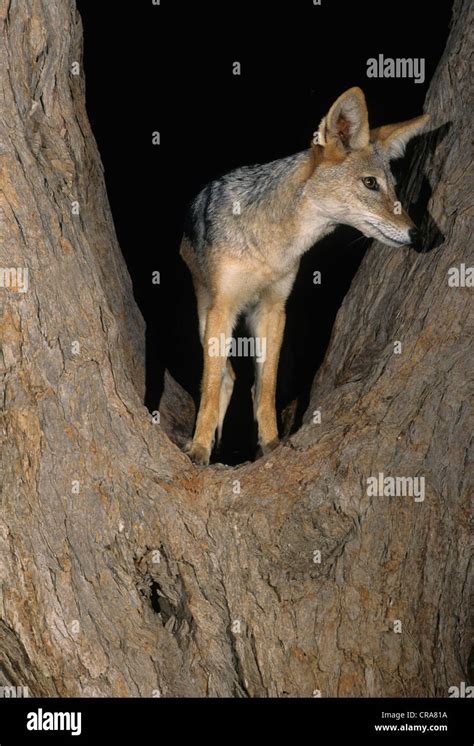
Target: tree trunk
{"points": [[127, 571]]}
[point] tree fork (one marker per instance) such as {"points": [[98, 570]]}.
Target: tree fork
{"points": [[127, 571]]}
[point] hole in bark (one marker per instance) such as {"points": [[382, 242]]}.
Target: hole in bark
{"points": [[150, 592], [174, 614], [159, 603], [155, 598], [169, 601]]}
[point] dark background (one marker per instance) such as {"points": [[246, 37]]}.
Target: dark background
{"points": [[168, 68]]}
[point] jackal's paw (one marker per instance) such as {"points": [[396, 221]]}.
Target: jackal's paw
{"points": [[270, 446], [198, 454]]}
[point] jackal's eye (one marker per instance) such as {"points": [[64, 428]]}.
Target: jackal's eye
{"points": [[370, 182]]}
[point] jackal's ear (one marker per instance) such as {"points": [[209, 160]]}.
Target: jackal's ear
{"points": [[394, 137], [346, 124]]}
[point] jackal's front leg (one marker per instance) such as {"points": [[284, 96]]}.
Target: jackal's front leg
{"points": [[219, 326], [269, 326]]}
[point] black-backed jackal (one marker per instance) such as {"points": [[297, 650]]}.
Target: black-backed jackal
{"points": [[246, 232]]}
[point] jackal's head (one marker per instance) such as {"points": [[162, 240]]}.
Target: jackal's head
{"points": [[352, 183]]}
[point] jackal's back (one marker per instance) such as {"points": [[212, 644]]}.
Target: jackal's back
{"points": [[235, 209]]}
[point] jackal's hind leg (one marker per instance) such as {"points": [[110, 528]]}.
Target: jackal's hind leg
{"points": [[227, 386], [219, 324], [268, 324]]}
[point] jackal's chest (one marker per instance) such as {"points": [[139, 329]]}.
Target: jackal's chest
{"points": [[248, 283]]}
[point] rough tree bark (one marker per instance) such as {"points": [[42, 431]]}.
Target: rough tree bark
{"points": [[103, 517]]}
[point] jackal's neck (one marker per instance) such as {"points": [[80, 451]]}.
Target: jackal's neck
{"points": [[309, 221], [291, 175], [280, 213]]}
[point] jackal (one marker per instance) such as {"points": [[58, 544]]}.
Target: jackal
{"points": [[245, 234]]}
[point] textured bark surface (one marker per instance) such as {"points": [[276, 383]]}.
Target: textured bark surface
{"points": [[127, 571]]}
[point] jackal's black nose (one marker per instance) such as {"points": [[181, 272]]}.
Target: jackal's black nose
{"points": [[415, 236]]}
